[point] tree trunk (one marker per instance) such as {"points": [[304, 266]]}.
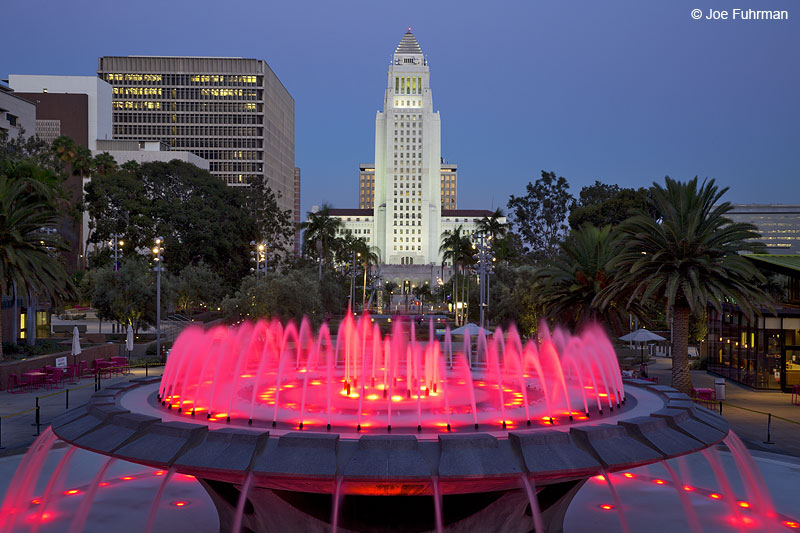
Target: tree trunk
{"points": [[681, 378]]}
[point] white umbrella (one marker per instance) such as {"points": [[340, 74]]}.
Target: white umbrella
{"points": [[472, 329], [129, 340], [641, 336], [76, 341]]}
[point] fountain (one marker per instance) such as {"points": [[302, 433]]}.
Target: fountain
{"points": [[286, 428]]}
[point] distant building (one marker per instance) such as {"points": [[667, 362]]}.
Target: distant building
{"points": [[80, 108], [16, 114], [366, 186], [407, 199], [233, 112], [76, 106], [778, 224]]}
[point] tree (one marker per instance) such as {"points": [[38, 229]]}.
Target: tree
{"points": [[28, 255], [686, 258], [286, 296], [492, 226], [539, 216], [605, 205], [197, 286], [200, 218], [127, 295], [319, 237], [275, 226], [568, 285], [105, 164]]}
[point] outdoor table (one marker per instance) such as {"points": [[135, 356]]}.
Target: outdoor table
{"points": [[35, 378], [704, 396]]}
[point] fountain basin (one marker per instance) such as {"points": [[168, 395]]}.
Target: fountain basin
{"points": [[126, 421]]}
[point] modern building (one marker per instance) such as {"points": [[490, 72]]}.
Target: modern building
{"points": [[778, 224], [366, 186], [231, 111], [76, 106], [146, 152], [763, 353], [16, 114], [405, 186], [80, 108]]}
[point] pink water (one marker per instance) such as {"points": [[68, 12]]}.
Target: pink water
{"points": [[364, 380]]}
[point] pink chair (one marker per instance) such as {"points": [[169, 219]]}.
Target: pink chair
{"points": [[15, 386]]}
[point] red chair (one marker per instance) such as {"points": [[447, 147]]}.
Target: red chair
{"points": [[795, 394], [55, 380], [15, 386]]}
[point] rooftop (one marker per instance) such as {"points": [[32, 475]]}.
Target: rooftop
{"points": [[786, 264], [408, 44]]}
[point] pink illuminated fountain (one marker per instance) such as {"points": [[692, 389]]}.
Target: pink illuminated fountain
{"points": [[365, 381], [288, 428]]}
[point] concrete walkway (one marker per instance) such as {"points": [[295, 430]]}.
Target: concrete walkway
{"points": [[750, 426], [18, 432]]}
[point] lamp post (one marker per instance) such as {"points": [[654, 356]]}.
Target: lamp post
{"points": [[483, 259], [158, 263], [117, 243], [259, 255]]}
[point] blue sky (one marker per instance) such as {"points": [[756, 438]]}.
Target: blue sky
{"points": [[621, 91]]}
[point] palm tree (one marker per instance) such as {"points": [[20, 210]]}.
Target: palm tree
{"points": [[320, 233], [451, 250], [492, 226], [567, 286], [105, 164], [685, 259], [28, 255]]}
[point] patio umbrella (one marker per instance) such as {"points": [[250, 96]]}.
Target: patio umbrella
{"points": [[129, 340], [76, 341], [472, 329], [641, 336]]}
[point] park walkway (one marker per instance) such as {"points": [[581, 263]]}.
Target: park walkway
{"points": [[18, 431], [746, 410]]}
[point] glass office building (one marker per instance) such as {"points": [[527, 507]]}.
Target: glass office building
{"points": [[763, 353]]}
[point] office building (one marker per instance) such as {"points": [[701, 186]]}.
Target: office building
{"points": [[778, 224], [405, 208], [16, 114], [366, 186], [233, 112]]}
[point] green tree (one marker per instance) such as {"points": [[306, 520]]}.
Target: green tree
{"points": [[601, 205], [686, 258], [275, 226], [128, 295], [196, 286], [286, 296], [200, 218], [568, 285], [28, 255], [319, 235], [540, 215], [492, 225]]}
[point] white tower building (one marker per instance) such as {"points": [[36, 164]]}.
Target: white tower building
{"points": [[408, 162]]}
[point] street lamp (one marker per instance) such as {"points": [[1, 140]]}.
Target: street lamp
{"points": [[259, 255], [158, 262], [117, 243], [484, 258]]}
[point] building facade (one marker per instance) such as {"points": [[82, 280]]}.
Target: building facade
{"points": [[407, 199], [778, 224], [76, 106], [366, 186], [762, 352], [233, 112], [16, 114]]}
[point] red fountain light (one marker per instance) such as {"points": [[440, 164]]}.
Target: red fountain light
{"points": [[363, 380]]}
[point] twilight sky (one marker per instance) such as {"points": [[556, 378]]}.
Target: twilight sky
{"points": [[621, 91]]}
